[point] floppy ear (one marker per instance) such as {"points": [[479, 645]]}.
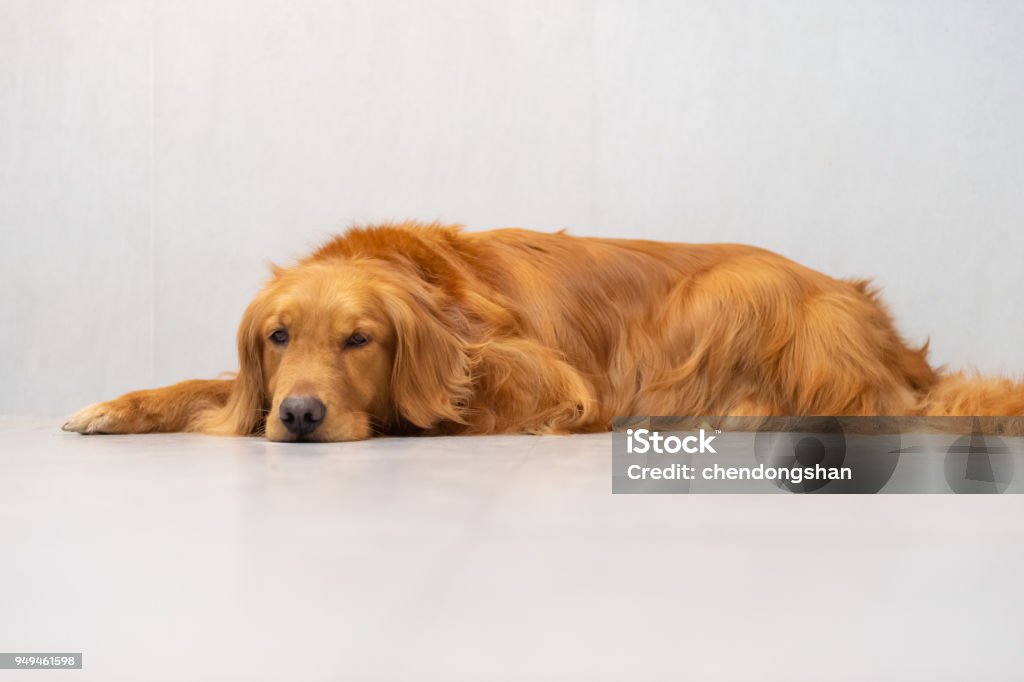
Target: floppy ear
{"points": [[430, 380], [245, 410]]}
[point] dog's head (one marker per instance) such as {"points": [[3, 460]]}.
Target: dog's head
{"points": [[333, 350]]}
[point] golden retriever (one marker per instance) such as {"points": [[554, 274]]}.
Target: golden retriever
{"points": [[409, 328]]}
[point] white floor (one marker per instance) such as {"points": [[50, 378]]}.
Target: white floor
{"points": [[187, 557]]}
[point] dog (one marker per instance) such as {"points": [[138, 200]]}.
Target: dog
{"points": [[409, 328]]}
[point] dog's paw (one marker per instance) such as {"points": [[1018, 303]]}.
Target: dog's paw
{"points": [[105, 417]]}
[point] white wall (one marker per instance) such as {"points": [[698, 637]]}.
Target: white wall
{"points": [[154, 156]]}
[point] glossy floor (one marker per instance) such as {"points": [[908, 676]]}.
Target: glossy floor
{"points": [[175, 557]]}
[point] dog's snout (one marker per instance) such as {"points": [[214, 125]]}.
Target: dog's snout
{"points": [[302, 416]]}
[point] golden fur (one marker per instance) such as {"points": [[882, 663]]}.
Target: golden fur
{"points": [[512, 331]]}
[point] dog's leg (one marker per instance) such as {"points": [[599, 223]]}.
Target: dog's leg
{"points": [[522, 386], [740, 345], [172, 408]]}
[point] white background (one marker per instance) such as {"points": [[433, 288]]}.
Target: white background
{"points": [[155, 156]]}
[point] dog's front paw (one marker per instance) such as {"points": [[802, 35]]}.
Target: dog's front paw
{"points": [[108, 417]]}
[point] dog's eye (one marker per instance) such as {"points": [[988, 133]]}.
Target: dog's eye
{"points": [[357, 340], [279, 336]]}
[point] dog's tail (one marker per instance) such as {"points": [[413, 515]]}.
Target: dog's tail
{"points": [[961, 395]]}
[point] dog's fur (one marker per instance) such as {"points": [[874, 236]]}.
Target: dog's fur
{"points": [[513, 331]]}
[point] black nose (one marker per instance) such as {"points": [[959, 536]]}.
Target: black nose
{"points": [[302, 416]]}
